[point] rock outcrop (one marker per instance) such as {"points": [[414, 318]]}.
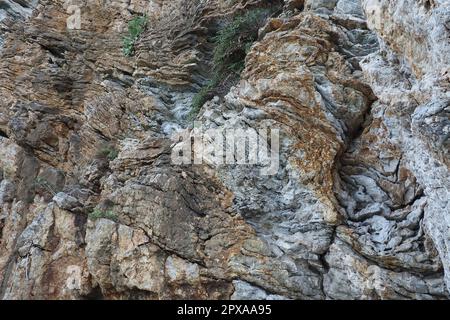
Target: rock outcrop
{"points": [[92, 205]]}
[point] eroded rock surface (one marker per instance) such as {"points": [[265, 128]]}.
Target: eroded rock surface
{"points": [[92, 207]]}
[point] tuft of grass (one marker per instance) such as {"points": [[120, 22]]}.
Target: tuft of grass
{"points": [[44, 183], [232, 44], [135, 28], [108, 152], [205, 94], [128, 46], [234, 41], [99, 214]]}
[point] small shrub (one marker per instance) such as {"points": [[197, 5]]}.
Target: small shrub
{"points": [[202, 96], [235, 40], [232, 45], [135, 28], [99, 214], [44, 183], [108, 152], [128, 46]]}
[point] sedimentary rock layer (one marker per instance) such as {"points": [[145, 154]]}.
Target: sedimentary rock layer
{"points": [[93, 207]]}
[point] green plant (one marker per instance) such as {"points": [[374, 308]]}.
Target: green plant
{"points": [[99, 214], [234, 41], [202, 96], [128, 46], [45, 184], [135, 28], [232, 44], [109, 152]]}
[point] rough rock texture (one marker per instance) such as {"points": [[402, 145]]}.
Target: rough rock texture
{"points": [[359, 208]]}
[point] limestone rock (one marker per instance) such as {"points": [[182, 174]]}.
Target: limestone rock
{"points": [[93, 206], [65, 201]]}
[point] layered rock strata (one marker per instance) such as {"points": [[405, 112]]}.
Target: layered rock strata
{"points": [[93, 207]]}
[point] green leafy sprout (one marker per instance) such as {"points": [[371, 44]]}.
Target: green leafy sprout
{"points": [[39, 181], [108, 152], [232, 44], [135, 28], [99, 214]]}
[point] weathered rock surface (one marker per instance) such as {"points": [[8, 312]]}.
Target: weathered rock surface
{"points": [[91, 205]]}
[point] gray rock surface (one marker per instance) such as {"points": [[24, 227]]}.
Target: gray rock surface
{"points": [[92, 206]]}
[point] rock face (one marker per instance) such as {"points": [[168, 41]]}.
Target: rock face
{"points": [[93, 207]]}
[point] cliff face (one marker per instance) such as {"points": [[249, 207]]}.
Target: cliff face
{"points": [[92, 205]]}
